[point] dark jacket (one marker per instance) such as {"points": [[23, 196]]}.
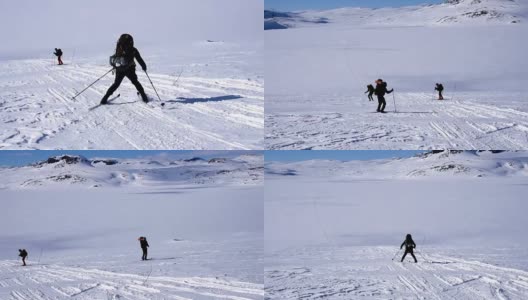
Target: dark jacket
{"points": [[381, 89], [129, 56], [22, 253], [58, 52], [144, 243], [439, 87], [409, 244], [370, 89]]}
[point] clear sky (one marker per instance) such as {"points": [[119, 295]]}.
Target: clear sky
{"points": [[22, 158], [288, 156], [291, 5]]}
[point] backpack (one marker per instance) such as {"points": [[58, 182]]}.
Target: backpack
{"points": [[124, 45]]}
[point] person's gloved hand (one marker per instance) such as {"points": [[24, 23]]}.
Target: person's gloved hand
{"points": [[145, 68]]}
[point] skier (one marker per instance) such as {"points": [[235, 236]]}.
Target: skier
{"points": [[123, 62], [440, 88], [370, 91], [23, 253], [409, 247], [58, 53], [144, 245], [380, 91]]}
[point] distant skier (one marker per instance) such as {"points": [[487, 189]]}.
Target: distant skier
{"points": [[144, 245], [23, 253], [123, 62], [440, 88], [370, 91], [58, 53], [380, 91], [409, 247]]}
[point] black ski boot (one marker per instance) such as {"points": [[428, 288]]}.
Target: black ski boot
{"points": [[144, 98], [105, 100]]}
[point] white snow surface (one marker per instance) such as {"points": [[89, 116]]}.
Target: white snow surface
{"points": [[206, 238], [333, 232], [440, 164], [80, 172], [216, 103], [317, 74], [466, 12]]}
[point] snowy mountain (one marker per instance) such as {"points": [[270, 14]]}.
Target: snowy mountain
{"points": [[101, 172], [468, 164], [451, 12]]}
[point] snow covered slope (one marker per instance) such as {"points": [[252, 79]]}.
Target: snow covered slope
{"points": [[202, 218], [334, 229], [64, 282], [461, 164], [68, 170], [316, 76], [213, 94], [462, 12]]}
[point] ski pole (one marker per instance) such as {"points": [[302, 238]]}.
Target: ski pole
{"points": [[153, 86], [395, 254], [177, 79], [40, 256], [394, 100], [92, 84], [73, 56]]}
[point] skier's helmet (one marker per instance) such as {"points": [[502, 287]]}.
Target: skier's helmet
{"points": [[408, 237]]}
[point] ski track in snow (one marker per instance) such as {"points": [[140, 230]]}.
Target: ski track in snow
{"points": [[62, 282], [420, 123], [37, 112], [368, 273]]}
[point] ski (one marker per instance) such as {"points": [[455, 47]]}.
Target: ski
{"points": [[109, 100]]}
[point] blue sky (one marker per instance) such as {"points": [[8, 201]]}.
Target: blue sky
{"points": [[288, 156], [291, 5], [22, 158]]}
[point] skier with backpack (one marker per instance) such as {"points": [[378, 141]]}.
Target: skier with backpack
{"points": [[370, 91], [410, 245], [144, 245], [380, 91], [123, 62], [58, 53], [23, 253], [440, 88]]}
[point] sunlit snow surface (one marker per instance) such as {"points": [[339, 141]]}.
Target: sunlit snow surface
{"points": [[316, 76], [333, 228], [213, 94], [80, 223]]}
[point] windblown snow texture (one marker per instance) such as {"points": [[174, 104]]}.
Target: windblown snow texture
{"points": [[334, 229], [316, 76], [201, 111], [80, 219]]}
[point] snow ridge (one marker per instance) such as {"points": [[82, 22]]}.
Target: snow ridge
{"points": [[106, 172], [468, 164], [461, 12]]}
